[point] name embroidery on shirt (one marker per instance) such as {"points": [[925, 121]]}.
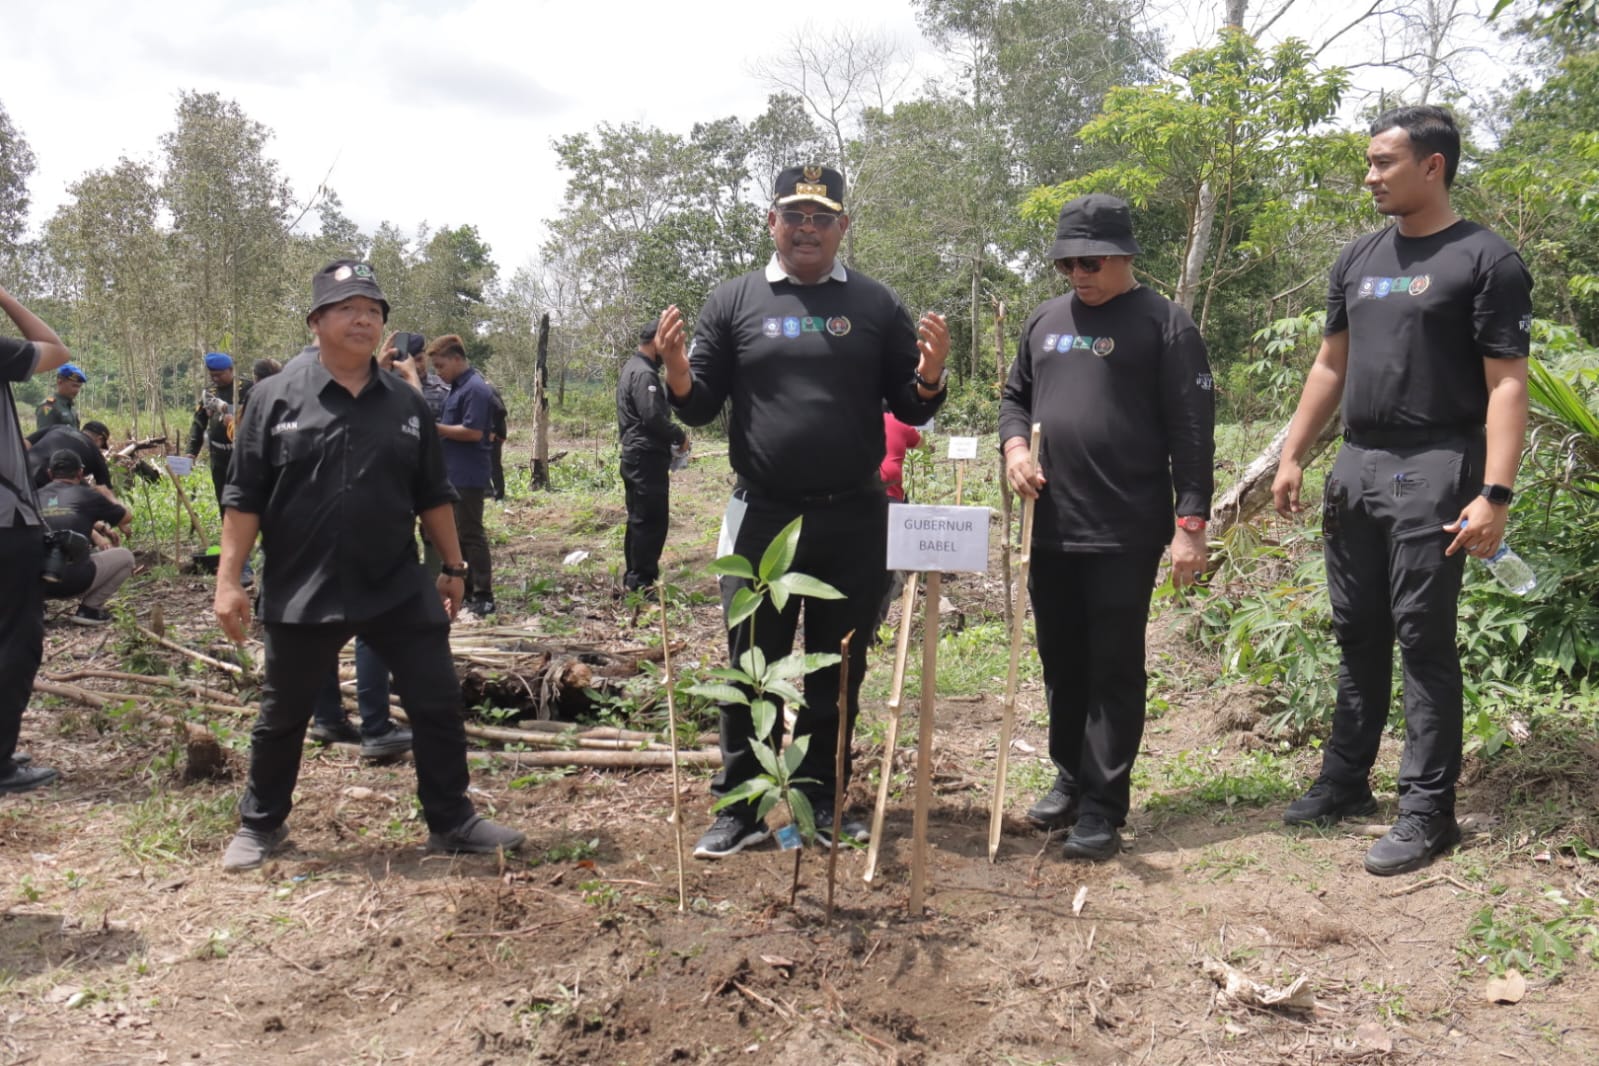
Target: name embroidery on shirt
{"points": [[284, 427]]}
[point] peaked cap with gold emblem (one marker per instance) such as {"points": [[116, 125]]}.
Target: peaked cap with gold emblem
{"points": [[822, 185]]}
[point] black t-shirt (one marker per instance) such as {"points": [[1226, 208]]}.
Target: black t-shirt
{"points": [[1422, 313], [1125, 396], [808, 368], [70, 505], [338, 481], [64, 438], [643, 416]]}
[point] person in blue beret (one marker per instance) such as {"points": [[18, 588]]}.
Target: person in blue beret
{"points": [[60, 409]]}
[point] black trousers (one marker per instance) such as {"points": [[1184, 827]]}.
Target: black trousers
{"points": [[843, 543], [474, 543], [220, 458], [1388, 578], [413, 642], [1091, 610], [497, 470], [21, 629], [647, 483]]}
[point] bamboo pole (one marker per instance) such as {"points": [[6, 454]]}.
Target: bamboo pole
{"points": [[902, 644], [996, 815], [671, 725], [839, 752], [924, 743], [1004, 485]]}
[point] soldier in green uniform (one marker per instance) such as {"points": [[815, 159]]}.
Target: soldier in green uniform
{"points": [[58, 410]]}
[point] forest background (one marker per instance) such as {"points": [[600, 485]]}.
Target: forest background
{"points": [[1243, 158]]}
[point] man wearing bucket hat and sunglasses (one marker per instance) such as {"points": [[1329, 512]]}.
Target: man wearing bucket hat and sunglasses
{"points": [[1119, 379], [335, 461]]}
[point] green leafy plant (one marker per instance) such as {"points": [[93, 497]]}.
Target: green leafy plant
{"points": [[759, 685]]}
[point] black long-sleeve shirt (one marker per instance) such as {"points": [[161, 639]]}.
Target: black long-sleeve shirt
{"points": [[337, 481], [64, 438], [1124, 393], [807, 368], [643, 416]]}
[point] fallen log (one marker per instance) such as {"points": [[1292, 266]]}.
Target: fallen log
{"points": [[197, 687], [606, 760], [203, 756], [232, 668], [1250, 494]]}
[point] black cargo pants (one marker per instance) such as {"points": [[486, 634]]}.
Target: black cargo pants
{"points": [[1383, 515]]}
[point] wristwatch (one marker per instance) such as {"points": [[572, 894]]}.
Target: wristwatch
{"points": [[933, 386], [1500, 494], [454, 571], [1192, 523]]}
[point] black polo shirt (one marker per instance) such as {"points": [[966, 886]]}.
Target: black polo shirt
{"points": [[338, 481], [46, 443], [74, 506]]}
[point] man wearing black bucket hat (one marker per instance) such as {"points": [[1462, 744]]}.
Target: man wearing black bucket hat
{"points": [[335, 462], [648, 434], [1119, 379], [806, 352]]}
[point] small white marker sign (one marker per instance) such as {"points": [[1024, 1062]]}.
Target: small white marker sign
{"points": [[963, 447], [941, 539]]}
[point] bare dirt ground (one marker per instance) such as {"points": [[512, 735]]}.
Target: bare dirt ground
{"points": [[122, 941]]}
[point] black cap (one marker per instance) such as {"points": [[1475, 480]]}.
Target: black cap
{"points": [[1095, 224], [65, 463], [823, 185], [646, 333], [342, 279], [99, 428]]}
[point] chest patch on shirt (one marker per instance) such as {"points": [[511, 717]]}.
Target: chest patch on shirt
{"points": [[1065, 342], [412, 427], [794, 326], [1377, 288], [838, 326]]}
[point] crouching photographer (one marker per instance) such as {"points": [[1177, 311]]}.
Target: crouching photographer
{"points": [[38, 351], [80, 559]]}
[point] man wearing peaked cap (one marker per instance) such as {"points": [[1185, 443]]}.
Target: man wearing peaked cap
{"points": [[1118, 378], [60, 409], [336, 461], [806, 352], [214, 417]]}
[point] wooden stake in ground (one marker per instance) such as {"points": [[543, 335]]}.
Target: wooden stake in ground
{"points": [[671, 725], [902, 644], [1004, 486], [996, 816], [924, 742], [838, 766]]}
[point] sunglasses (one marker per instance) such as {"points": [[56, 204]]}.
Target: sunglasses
{"points": [[822, 220], [1088, 264]]}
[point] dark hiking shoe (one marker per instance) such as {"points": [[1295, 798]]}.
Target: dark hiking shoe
{"points": [[482, 606], [21, 758], [729, 835], [1055, 809], [1326, 805], [90, 616], [249, 848], [477, 836], [1092, 837], [340, 732], [25, 778], [1415, 838], [855, 832], [396, 741]]}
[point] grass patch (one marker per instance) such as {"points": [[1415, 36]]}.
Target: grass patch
{"points": [[170, 828], [1192, 782]]}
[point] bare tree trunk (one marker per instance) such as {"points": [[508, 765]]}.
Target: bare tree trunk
{"points": [[541, 408], [1199, 229]]}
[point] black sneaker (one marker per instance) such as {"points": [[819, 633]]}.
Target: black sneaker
{"points": [[1326, 804], [339, 732], [1055, 809], [477, 836], [855, 832], [21, 758], [1415, 838], [729, 835], [396, 741], [90, 616], [24, 778], [1092, 837], [481, 606]]}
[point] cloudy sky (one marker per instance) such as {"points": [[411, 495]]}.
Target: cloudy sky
{"points": [[424, 110]]}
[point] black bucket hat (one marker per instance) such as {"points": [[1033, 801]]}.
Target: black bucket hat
{"points": [[1095, 224], [342, 279]]}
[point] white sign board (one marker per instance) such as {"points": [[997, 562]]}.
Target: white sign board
{"points": [[941, 539], [963, 447], [180, 465]]}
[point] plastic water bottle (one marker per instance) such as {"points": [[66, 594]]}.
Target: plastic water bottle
{"points": [[1511, 570]]}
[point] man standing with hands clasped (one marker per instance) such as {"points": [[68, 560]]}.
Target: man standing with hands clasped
{"points": [[806, 351], [1427, 336], [648, 436], [335, 461], [1118, 377]]}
